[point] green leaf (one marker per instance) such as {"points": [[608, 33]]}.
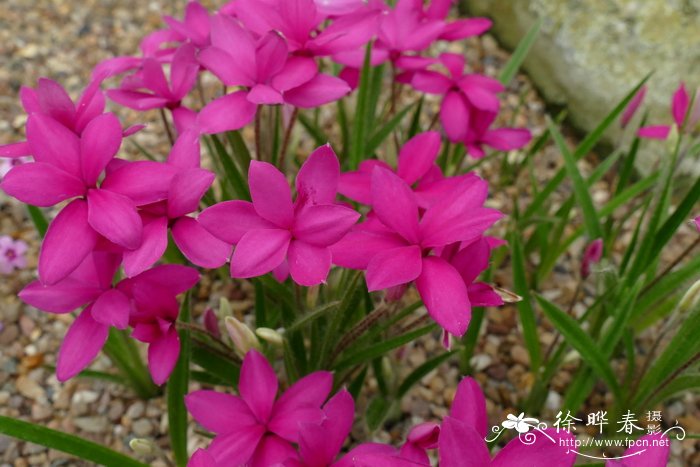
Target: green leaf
{"points": [[40, 222], [583, 197], [314, 130], [415, 119], [70, 444], [516, 60], [685, 382], [313, 315], [240, 150], [525, 308], [680, 215], [377, 411], [351, 296], [359, 129], [233, 175], [177, 388], [376, 350], [582, 342], [122, 351], [214, 363], [381, 134], [420, 372]]}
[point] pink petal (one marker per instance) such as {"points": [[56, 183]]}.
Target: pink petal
{"points": [[454, 116], [632, 107], [154, 77], [324, 441], [54, 101], [418, 155], [185, 153], [90, 105], [395, 204], [83, 341], [136, 100], [185, 121], [358, 247], [229, 112], [262, 94], [461, 446], [445, 296], [394, 267], [454, 64], [258, 385], [144, 182], [201, 457], [41, 184], [557, 452], [472, 260], [53, 143], [69, 239], [324, 225], [198, 245], [507, 139], [308, 264], [112, 308], [230, 220], [259, 251], [219, 413], [321, 89], [463, 28], [347, 32], [222, 64], [271, 195], [317, 180], [14, 150], [310, 391], [236, 448], [186, 190], [654, 132], [431, 82], [680, 104], [228, 34], [99, 143], [357, 185], [114, 216], [297, 71], [174, 278], [469, 406], [183, 70], [270, 55], [272, 451], [654, 451], [153, 245], [162, 356], [482, 294], [63, 297], [287, 425]]}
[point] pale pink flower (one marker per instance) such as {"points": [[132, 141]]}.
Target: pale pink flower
{"points": [[12, 254]]}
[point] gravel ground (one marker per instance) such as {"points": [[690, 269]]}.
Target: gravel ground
{"points": [[64, 39]]}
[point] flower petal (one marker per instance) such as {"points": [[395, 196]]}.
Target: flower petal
{"points": [[445, 296], [83, 341], [317, 180], [654, 132], [153, 245], [680, 104], [198, 245], [186, 190], [62, 297], [114, 216], [271, 195], [112, 308], [162, 356], [262, 94], [460, 445], [324, 225], [69, 239], [226, 113], [542, 451], [236, 448], [41, 184], [454, 116], [219, 413], [259, 252], [230, 220], [418, 155], [359, 246], [136, 100], [144, 182], [297, 71], [431, 82], [319, 90], [469, 406], [394, 267], [258, 385], [308, 264], [99, 143], [395, 204]]}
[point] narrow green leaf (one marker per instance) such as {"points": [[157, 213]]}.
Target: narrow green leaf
{"points": [[177, 388], [415, 119], [377, 411], [240, 150], [214, 363], [40, 222], [590, 216], [420, 372], [516, 60], [380, 135], [582, 342], [685, 382], [359, 129], [122, 351], [314, 130], [233, 174], [70, 444], [313, 315], [680, 215]]}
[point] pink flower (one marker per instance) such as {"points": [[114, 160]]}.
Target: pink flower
{"points": [[211, 322], [149, 88], [394, 245], [90, 286], [12, 254], [272, 232], [462, 436], [591, 255], [680, 103], [264, 66], [8, 164], [194, 26], [253, 428], [632, 107], [320, 443], [650, 450]]}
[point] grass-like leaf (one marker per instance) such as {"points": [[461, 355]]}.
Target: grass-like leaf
{"points": [[39, 219], [177, 388], [417, 374], [64, 442], [380, 135], [516, 60]]}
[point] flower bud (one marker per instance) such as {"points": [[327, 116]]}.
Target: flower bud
{"points": [[632, 107], [143, 447], [243, 338], [211, 323], [270, 335], [592, 254], [225, 308], [690, 298]]}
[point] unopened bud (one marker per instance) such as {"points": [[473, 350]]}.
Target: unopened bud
{"points": [[270, 335], [225, 308], [211, 323], [143, 447], [690, 298], [507, 296], [591, 255], [243, 338]]}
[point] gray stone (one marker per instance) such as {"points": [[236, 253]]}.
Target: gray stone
{"points": [[589, 54], [97, 424]]}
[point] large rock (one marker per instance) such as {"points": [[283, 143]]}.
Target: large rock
{"points": [[590, 53]]}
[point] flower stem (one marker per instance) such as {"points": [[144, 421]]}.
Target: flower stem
{"points": [[287, 138], [167, 126], [257, 135]]}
